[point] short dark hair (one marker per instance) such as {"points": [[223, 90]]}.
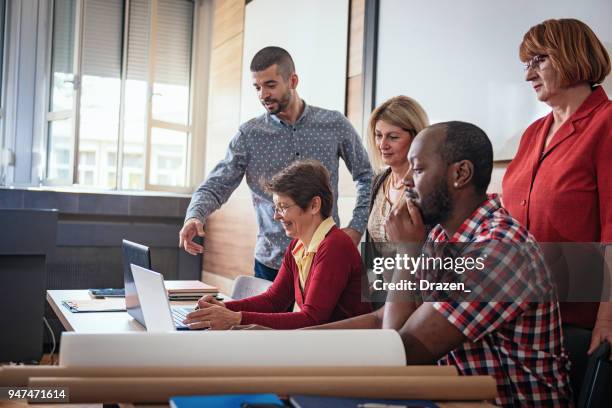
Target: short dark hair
{"points": [[268, 56], [466, 141], [302, 181]]}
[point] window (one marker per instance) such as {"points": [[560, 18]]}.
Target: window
{"points": [[120, 97]]}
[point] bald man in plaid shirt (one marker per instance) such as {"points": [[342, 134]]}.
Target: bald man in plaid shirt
{"points": [[517, 342]]}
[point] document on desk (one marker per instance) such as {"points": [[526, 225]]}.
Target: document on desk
{"points": [[95, 305]]}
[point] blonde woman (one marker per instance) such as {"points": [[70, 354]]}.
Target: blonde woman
{"points": [[392, 127]]}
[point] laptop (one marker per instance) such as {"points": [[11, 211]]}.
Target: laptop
{"points": [[133, 253], [140, 255], [158, 315]]}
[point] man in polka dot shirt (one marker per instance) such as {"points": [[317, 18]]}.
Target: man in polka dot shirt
{"points": [[289, 130]]}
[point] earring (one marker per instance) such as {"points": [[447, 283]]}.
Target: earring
{"points": [[456, 184]]}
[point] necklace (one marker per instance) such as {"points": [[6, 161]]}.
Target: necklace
{"points": [[387, 185], [396, 185]]}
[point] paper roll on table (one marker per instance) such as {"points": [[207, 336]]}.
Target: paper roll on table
{"points": [[287, 348], [18, 375], [160, 389]]}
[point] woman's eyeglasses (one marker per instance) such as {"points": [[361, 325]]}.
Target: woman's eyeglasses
{"points": [[282, 210], [535, 61]]}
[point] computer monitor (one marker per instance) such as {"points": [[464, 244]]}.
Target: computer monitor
{"points": [[140, 255]]}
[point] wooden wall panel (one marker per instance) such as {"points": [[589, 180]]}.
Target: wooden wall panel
{"points": [[224, 99], [231, 231], [228, 20], [230, 239], [225, 76]]}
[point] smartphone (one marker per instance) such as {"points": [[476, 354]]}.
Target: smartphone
{"points": [[107, 292]]}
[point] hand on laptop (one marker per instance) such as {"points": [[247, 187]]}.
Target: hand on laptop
{"points": [[207, 300], [212, 316], [192, 227]]}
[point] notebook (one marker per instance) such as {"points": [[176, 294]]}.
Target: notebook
{"points": [[225, 401], [188, 289], [95, 305], [310, 401]]}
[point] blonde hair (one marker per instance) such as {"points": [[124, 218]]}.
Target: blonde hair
{"points": [[574, 50], [401, 111]]}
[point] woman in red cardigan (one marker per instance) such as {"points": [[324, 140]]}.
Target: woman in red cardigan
{"points": [[321, 271], [559, 185]]}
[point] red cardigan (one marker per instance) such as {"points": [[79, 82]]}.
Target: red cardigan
{"points": [[332, 291], [564, 194]]}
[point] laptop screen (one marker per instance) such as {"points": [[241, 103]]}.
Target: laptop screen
{"points": [[140, 255]]}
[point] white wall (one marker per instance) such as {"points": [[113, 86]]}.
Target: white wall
{"points": [[315, 33], [459, 59]]}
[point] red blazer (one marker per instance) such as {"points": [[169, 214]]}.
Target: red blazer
{"points": [[332, 291], [564, 193]]}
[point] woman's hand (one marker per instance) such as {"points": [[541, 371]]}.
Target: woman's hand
{"points": [[601, 332], [212, 316], [208, 300], [603, 327]]}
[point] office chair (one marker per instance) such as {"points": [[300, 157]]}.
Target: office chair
{"points": [[247, 286], [596, 391]]}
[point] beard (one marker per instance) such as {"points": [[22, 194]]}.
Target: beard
{"points": [[436, 206], [281, 104]]}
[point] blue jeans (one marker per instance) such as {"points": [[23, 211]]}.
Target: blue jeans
{"points": [[264, 272]]}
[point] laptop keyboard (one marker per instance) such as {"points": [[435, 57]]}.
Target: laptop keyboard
{"points": [[179, 314]]}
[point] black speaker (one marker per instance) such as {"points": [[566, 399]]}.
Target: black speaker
{"points": [[26, 239]]}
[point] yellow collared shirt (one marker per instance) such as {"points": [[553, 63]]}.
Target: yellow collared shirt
{"points": [[303, 258]]}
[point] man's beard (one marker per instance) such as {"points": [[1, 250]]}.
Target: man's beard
{"points": [[281, 104], [436, 206]]}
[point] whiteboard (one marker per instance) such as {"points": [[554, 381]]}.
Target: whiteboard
{"points": [[459, 59], [315, 33]]}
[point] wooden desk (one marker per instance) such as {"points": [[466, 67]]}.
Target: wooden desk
{"points": [[94, 322]]}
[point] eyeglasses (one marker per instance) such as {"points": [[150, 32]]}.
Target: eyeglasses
{"points": [[535, 61], [282, 210]]}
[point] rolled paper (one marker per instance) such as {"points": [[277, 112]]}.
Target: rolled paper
{"points": [[265, 348], [160, 389], [19, 375]]}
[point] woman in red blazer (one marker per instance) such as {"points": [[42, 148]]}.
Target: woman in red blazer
{"points": [[559, 184]]}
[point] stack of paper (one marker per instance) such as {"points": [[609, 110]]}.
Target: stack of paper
{"points": [[188, 289]]}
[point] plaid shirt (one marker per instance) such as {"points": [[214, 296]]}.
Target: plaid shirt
{"points": [[518, 343]]}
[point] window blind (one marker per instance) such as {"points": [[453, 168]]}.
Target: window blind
{"points": [[102, 38], [173, 41], [63, 35], [138, 40]]}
